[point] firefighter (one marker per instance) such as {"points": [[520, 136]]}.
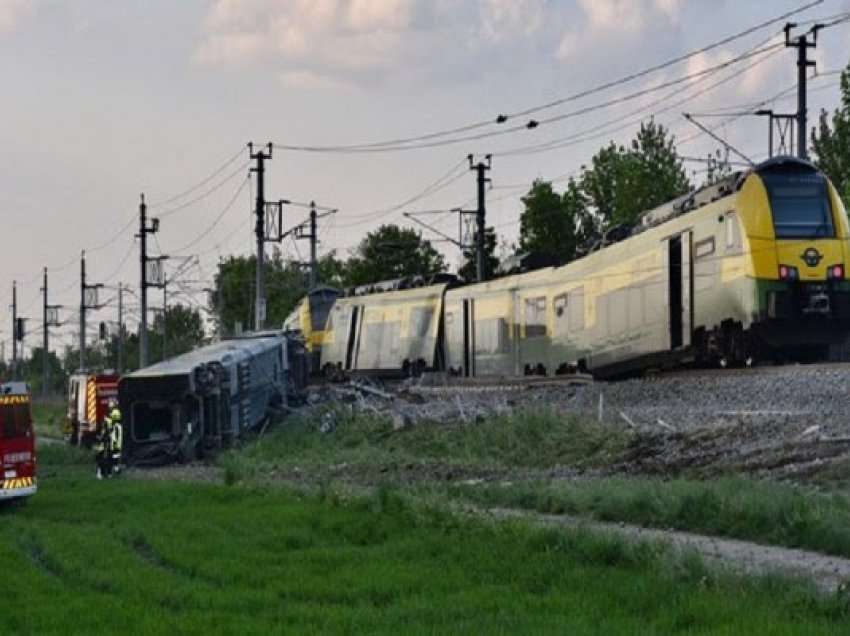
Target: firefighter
{"points": [[116, 440], [109, 443]]}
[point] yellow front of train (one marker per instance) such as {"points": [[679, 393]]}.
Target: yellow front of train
{"points": [[797, 252]]}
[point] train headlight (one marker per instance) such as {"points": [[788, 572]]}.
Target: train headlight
{"points": [[788, 272], [835, 272]]}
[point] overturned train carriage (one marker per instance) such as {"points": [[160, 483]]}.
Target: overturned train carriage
{"points": [[176, 409], [754, 267]]}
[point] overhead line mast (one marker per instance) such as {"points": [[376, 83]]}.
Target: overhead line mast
{"points": [[802, 43], [481, 168], [260, 293]]}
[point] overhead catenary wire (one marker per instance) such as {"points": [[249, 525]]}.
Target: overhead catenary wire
{"points": [[403, 142], [456, 172], [216, 220], [554, 118], [197, 186], [604, 128], [205, 194]]}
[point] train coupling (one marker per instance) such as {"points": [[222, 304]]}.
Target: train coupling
{"points": [[816, 301]]}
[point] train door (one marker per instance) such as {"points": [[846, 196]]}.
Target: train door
{"points": [[687, 287], [516, 332], [679, 290], [468, 337], [354, 325]]}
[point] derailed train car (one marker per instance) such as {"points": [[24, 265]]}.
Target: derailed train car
{"points": [[308, 320], [397, 331], [204, 399], [754, 267]]}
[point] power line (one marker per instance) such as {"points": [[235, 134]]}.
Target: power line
{"points": [[216, 221], [548, 120], [583, 136], [402, 143], [454, 174], [205, 194], [198, 185]]}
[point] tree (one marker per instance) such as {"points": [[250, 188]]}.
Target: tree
{"points": [[285, 285], [392, 252], [30, 371], [623, 183], [552, 226], [469, 269], [183, 331], [831, 141]]}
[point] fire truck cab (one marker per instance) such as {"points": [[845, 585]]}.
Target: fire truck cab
{"points": [[17, 442], [88, 403]]}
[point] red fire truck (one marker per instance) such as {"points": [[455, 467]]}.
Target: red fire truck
{"points": [[17, 442], [88, 404]]}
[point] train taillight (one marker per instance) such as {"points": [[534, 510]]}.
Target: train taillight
{"points": [[836, 272], [787, 272]]}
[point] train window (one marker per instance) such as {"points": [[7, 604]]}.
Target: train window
{"points": [[560, 306], [799, 202], [491, 336], [535, 317], [733, 232]]}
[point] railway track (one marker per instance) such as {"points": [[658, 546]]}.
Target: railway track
{"points": [[441, 384], [756, 370]]}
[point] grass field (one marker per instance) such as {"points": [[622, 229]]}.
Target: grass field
{"points": [[512, 448], [138, 556], [769, 513], [532, 440], [47, 417]]}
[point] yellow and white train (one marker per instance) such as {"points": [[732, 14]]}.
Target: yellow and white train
{"points": [[753, 267]]}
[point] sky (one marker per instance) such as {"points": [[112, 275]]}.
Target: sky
{"points": [[106, 100]]}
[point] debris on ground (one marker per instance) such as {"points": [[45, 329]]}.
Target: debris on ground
{"points": [[783, 421]]}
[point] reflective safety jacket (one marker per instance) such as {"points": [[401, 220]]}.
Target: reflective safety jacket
{"points": [[116, 437]]}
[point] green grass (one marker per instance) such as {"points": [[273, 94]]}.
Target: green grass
{"points": [[368, 443], [47, 417], [773, 513], [133, 556]]}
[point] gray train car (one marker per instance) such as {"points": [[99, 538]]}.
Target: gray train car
{"points": [[394, 332], [752, 267], [204, 399]]}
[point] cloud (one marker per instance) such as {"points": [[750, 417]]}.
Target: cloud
{"points": [[615, 18], [352, 41], [345, 35], [11, 13], [503, 19]]}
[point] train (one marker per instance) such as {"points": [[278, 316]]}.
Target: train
{"points": [[751, 268], [308, 319], [178, 409]]}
